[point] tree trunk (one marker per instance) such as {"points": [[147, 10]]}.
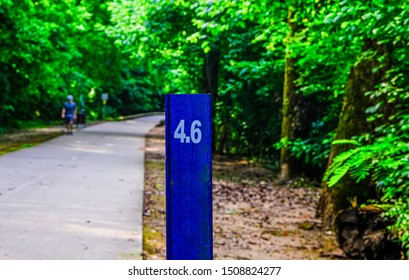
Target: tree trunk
{"points": [[210, 82], [291, 126], [352, 122], [211, 72], [362, 234]]}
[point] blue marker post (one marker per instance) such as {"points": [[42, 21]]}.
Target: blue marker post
{"points": [[189, 232]]}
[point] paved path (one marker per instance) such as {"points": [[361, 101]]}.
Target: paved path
{"points": [[76, 197]]}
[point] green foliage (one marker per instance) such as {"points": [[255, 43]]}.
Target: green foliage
{"points": [[383, 162], [138, 50], [313, 151], [354, 161], [380, 158], [54, 48]]}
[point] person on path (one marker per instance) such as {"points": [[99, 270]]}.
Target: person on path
{"points": [[69, 113]]}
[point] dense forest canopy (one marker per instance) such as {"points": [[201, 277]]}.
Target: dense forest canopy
{"points": [[287, 79]]}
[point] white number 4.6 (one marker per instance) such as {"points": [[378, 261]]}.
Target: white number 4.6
{"points": [[195, 132]]}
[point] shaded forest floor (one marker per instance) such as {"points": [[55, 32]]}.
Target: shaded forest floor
{"points": [[253, 217]]}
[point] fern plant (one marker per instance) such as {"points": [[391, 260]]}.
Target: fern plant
{"points": [[385, 162]]}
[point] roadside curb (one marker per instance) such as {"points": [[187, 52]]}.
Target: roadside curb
{"points": [[136, 116]]}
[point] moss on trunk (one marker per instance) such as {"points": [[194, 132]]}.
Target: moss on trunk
{"points": [[353, 122], [290, 167]]}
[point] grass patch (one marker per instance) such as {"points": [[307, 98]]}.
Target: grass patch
{"points": [[153, 240], [155, 165], [11, 144], [36, 124]]}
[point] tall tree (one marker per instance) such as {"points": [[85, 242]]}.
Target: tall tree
{"points": [[373, 26], [363, 78], [296, 107], [289, 166]]}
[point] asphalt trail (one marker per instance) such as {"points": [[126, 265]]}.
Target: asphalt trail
{"points": [[76, 197]]}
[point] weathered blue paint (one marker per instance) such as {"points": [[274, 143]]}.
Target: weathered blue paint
{"points": [[189, 179]]}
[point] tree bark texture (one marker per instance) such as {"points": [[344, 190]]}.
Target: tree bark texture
{"points": [[353, 122], [210, 82], [362, 234], [211, 72], [292, 125]]}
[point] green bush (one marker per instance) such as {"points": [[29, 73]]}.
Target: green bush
{"points": [[381, 157]]}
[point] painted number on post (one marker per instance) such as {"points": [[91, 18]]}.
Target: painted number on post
{"points": [[195, 132]]}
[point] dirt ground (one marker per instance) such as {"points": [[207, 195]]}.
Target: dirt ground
{"points": [[253, 217]]}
